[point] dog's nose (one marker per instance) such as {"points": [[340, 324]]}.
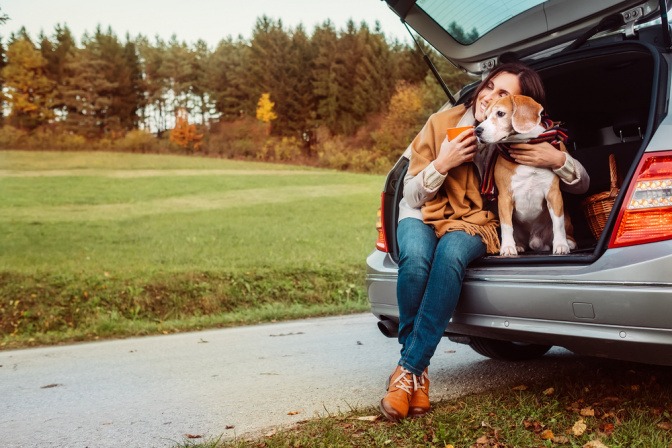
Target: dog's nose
{"points": [[478, 131]]}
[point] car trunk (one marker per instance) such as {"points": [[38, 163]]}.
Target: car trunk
{"points": [[606, 95]]}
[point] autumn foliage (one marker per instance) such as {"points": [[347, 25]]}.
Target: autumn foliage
{"points": [[185, 134], [344, 98]]}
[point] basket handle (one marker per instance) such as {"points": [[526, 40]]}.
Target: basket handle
{"points": [[613, 176]]}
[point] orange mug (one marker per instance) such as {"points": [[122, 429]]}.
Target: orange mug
{"points": [[454, 132]]}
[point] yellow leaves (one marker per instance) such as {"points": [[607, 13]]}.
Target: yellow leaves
{"points": [[265, 106], [595, 444], [520, 388], [579, 428], [546, 434], [548, 392]]}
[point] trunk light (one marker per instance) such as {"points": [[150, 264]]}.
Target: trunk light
{"points": [[646, 214]]}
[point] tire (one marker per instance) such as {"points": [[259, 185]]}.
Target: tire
{"points": [[507, 350]]}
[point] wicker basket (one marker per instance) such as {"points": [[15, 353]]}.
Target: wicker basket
{"points": [[598, 206]]}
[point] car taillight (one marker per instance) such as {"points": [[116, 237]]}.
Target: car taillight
{"points": [[381, 242], [646, 214]]}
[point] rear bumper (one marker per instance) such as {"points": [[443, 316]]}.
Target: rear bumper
{"points": [[617, 307]]}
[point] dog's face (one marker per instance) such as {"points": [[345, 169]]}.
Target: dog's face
{"points": [[508, 116]]}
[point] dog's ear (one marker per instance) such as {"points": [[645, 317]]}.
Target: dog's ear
{"points": [[526, 113]]}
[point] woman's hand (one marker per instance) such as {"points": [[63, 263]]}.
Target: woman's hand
{"points": [[456, 152], [540, 155]]}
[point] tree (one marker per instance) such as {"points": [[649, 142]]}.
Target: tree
{"points": [[30, 93], [86, 94], [155, 110], [185, 134], [265, 111], [227, 79]]}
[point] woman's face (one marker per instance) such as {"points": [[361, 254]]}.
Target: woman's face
{"points": [[501, 85]]}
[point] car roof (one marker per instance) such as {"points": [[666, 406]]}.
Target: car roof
{"points": [[473, 33]]}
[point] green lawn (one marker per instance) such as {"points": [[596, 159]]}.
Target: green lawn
{"points": [[110, 244]]}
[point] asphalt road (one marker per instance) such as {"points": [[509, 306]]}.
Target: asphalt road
{"points": [[154, 391]]}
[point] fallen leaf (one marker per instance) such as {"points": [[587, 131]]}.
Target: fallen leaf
{"points": [[587, 412], [546, 434], [229, 426], [549, 391], [193, 436], [292, 412], [665, 425], [482, 440], [560, 440], [521, 387], [271, 433], [635, 387], [369, 418], [595, 444], [49, 386], [579, 428], [449, 446], [607, 429]]}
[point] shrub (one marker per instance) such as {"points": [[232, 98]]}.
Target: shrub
{"points": [[12, 138], [137, 140], [285, 149]]}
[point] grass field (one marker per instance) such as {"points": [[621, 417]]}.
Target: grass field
{"points": [[108, 244]]}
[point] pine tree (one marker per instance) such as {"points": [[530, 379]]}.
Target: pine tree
{"points": [[86, 94], [227, 80], [155, 112], [325, 87]]}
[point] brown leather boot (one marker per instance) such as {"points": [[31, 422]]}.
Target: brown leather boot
{"points": [[419, 405], [394, 405]]}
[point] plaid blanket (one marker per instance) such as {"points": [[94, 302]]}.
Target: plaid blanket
{"points": [[554, 134]]}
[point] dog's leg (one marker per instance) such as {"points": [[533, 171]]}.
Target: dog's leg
{"points": [[569, 231], [505, 206], [555, 209], [505, 203]]}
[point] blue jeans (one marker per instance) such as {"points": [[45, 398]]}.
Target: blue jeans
{"points": [[431, 271]]}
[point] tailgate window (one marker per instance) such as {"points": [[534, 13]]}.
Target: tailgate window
{"points": [[466, 21]]}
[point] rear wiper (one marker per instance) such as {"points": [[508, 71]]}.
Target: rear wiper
{"points": [[431, 66]]}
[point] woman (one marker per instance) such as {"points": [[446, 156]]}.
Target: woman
{"points": [[444, 225]]}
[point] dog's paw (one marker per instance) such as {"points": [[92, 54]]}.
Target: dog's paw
{"points": [[560, 249], [571, 243], [520, 249], [508, 251]]}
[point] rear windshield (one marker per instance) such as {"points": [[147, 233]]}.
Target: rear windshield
{"points": [[467, 20]]}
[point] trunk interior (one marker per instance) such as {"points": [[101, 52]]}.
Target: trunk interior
{"points": [[606, 97]]}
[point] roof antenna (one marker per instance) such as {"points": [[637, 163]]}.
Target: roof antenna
{"points": [[431, 66]]}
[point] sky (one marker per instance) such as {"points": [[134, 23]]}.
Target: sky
{"points": [[190, 20]]}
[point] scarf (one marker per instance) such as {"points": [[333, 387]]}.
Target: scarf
{"points": [[554, 134], [458, 204]]}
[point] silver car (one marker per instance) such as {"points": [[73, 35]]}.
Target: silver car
{"points": [[607, 71]]}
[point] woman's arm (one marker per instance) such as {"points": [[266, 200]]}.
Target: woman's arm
{"points": [[423, 186], [573, 175]]}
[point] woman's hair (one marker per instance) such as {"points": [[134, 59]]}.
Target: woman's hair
{"points": [[530, 82]]}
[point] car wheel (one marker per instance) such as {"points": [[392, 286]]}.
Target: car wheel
{"points": [[507, 350]]}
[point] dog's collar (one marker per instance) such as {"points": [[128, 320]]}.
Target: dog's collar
{"points": [[554, 134]]}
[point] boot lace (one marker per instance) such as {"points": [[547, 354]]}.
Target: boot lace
{"points": [[419, 381], [404, 381]]}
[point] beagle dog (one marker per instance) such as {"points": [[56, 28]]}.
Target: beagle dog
{"points": [[529, 199]]}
